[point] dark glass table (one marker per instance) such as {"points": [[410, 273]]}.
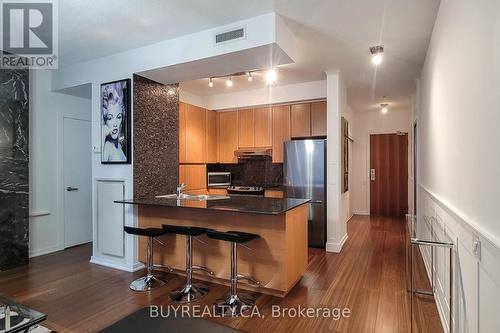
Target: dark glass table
{"points": [[15, 317]]}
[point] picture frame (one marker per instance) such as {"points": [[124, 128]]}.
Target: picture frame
{"points": [[115, 112]]}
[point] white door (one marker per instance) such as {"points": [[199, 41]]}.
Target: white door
{"points": [[77, 173]]}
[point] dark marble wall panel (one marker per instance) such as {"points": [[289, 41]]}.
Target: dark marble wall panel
{"points": [[14, 157], [253, 172], [156, 137]]}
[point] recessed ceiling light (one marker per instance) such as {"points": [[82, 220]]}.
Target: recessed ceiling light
{"points": [[229, 82], [377, 54], [210, 83], [271, 76], [384, 108]]}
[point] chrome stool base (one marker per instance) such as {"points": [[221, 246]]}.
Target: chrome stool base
{"points": [[188, 293], [146, 283], [234, 305]]}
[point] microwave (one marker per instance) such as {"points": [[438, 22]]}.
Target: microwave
{"points": [[218, 179]]}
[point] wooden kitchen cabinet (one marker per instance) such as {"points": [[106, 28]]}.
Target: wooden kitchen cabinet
{"points": [[212, 144], [182, 132], [263, 127], [274, 194], [217, 191], [281, 131], [194, 176], [300, 120], [318, 118], [228, 136], [246, 128], [196, 134]]}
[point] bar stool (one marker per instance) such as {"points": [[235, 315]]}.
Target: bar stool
{"points": [[235, 304], [191, 291], [149, 281]]}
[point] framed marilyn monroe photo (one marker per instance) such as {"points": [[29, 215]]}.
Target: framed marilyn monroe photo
{"points": [[115, 122]]}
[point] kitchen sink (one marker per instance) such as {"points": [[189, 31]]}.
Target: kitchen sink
{"points": [[196, 197]]}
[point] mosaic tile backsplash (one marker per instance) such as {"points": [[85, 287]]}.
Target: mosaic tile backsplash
{"points": [[253, 172]]}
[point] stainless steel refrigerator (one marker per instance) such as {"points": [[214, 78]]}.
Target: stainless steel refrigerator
{"points": [[305, 177]]}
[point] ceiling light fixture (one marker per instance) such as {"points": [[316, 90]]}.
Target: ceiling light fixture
{"points": [[377, 54], [250, 78], [210, 82], [229, 82], [271, 76], [384, 108]]}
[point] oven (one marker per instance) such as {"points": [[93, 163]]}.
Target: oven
{"points": [[218, 179]]}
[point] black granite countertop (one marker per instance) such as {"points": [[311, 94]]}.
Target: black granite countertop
{"points": [[242, 204]]}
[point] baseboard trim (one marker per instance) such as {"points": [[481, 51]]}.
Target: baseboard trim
{"points": [[116, 265], [336, 247], [44, 251], [361, 213]]}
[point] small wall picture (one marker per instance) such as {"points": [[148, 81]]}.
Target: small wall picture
{"points": [[115, 121]]}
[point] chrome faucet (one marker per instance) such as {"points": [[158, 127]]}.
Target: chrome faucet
{"points": [[178, 191]]}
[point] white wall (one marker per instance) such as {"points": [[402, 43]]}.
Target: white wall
{"points": [[458, 120], [266, 95], [46, 111], [366, 123], [345, 198], [336, 106]]}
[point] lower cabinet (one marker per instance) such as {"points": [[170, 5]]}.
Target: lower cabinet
{"points": [[194, 176], [274, 194], [217, 191]]}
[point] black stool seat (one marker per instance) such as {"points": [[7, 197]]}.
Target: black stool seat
{"points": [[148, 232], [232, 236], [182, 230]]}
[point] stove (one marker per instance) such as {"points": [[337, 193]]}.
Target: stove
{"points": [[246, 190]]}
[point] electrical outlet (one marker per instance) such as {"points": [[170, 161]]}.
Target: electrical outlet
{"points": [[476, 247]]}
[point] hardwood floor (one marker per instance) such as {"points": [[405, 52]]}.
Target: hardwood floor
{"points": [[368, 277]]}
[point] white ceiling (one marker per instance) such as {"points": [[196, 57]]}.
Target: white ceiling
{"points": [[331, 34]]}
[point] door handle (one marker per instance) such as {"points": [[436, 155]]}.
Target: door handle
{"points": [[71, 189]]}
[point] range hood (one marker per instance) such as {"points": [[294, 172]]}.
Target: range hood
{"points": [[253, 153]]}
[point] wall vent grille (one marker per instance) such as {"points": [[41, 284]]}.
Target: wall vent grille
{"points": [[230, 35]]}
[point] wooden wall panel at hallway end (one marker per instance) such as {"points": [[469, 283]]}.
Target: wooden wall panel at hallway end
{"points": [[389, 161]]}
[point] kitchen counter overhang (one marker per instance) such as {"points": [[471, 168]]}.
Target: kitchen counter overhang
{"points": [[242, 204], [277, 259]]}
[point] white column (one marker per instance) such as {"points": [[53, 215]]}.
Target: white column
{"points": [[336, 227]]}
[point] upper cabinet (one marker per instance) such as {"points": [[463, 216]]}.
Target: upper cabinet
{"points": [[212, 144], [212, 137], [255, 128], [300, 120], [263, 127], [246, 128], [318, 118], [196, 134], [228, 136], [281, 131]]}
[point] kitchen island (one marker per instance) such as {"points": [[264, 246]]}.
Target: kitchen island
{"points": [[277, 259]]}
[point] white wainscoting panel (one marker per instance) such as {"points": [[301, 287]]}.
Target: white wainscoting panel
{"points": [[476, 291], [110, 218]]}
